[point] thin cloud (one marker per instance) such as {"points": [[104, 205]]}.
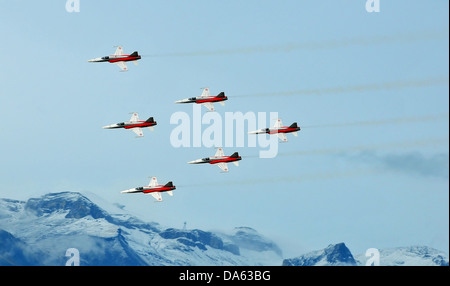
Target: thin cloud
{"points": [[412, 163], [363, 41], [370, 147], [392, 85]]}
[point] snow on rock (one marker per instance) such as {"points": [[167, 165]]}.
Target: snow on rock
{"points": [[40, 230], [333, 255], [409, 256], [55, 222], [339, 254]]}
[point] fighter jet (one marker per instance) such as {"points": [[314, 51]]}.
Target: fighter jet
{"points": [[134, 124], [279, 129], [119, 59], [153, 189], [220, 159], [206, 99]]}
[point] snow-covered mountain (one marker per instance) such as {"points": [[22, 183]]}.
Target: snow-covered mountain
{"points": [[39, 231], [409, 256], [340, 255], [333, 255]]}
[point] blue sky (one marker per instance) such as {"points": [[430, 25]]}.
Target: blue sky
{"points": [[370, 91]]}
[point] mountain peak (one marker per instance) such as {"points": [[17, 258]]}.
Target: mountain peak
{"points": [[339, 253], [73, 203], [335, 254], [55, 222]]}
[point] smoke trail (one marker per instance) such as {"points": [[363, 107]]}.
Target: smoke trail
{"points": [[384, 121], [397, 145], [330, 175], [358, 88], [264, 180], [319, 176], [323, 45]]}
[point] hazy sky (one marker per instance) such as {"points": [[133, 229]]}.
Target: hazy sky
{"points": [[369, 90]]}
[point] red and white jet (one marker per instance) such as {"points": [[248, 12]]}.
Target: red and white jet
{"points": [[134, 124], [153, 189], [220, 159], [206, 99], [119, 59], [279, 129]]}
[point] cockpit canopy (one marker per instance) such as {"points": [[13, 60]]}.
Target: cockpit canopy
{"points": [[139, 188], [121, 124], [105, 58], [205, 159], [192, 98]]}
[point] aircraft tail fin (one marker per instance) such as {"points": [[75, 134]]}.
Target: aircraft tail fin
{"points": [[222, 94], [235, 155], [134, 54], [169, 184], [293, 125], [150, 120]]}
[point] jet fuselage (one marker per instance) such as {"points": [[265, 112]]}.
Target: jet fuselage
{"points": [[283, 130], [275, 130], [129, 124], [149, 189], [203, 99], [217, 159], [117, 58]]}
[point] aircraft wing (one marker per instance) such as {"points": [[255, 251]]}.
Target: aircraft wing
{"points": [[278, 124], [138, 131], [282, 136], [223, 166], [153, 182], [134, 117], [219, 152], [205, 92], [122, 66], [208, 105], [157, 196], [119, 51]]}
